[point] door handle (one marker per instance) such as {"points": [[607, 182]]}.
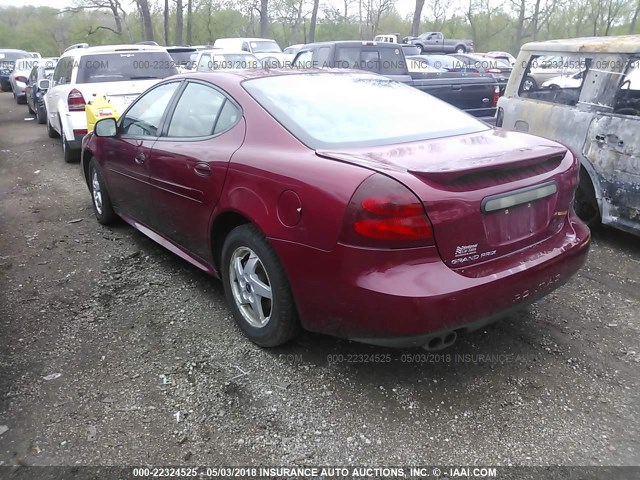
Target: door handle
{"points": [[140, 158], [202, 169]]}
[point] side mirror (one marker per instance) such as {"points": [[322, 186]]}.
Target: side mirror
{"points": [[43, 84], [107, 127]]}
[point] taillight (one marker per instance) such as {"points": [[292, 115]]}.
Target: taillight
{"points": [[21, 79], [75, 101], [383, 213], [475, 70], [496, 96]]}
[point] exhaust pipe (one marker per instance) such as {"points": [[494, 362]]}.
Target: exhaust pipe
{"points": [[441, 341]]}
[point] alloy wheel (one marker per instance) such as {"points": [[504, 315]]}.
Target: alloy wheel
{"points": [[251, 287], [96, 192]]}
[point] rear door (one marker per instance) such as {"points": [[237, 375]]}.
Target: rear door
{"points": [[189, 164], [612, 146], [126, 156]]}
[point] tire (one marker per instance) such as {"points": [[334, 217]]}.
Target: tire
{"points": [[585, 203], [102, 206], [30, 109], [421, 47], [529, 84], [266, 322], [461, 49], [21, 100], [41, 116], [70, 156], [51, 131]]}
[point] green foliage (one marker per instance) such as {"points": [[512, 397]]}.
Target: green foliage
{"points": [[49, 31]]}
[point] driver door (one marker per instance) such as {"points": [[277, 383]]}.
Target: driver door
{"points": [[126, 155]]}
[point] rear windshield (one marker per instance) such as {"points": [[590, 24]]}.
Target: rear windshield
{"points": [[265, 46], [123, 66], [386, 61], [356, 110], [8, 58]]}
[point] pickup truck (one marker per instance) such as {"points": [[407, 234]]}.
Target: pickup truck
{"points": [[435, 42], [476, 94]]}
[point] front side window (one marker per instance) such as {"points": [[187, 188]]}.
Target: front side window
{"points": [[199, 112], [555, 79], [627, 100], [143, 118], [304, 60], [341, 109]]}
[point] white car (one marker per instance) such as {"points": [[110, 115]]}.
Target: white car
{"points": [[263, 48], [119, 72], [573, 80], [217, 59], [19, 76]]}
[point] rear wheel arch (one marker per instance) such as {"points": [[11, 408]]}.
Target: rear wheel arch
{"points": [[223, 224], [87, 155]]}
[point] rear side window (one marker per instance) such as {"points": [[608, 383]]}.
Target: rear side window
{"points": [[63, 71], [201, 112], [125, 66], [305, 60], [555, 79], [387, 61]]}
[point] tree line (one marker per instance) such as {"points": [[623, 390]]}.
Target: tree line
{"points": [[491, 24]]}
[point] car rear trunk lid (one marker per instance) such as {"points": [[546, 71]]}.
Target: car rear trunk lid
{"points": [[487, 204]]}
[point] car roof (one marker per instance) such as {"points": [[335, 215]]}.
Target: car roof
{"points": [[362, 43], [13, 50], [246, 39], [613, 44], [113, 49]]}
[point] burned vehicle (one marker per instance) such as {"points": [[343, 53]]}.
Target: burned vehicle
{"points": [[596, 113]]}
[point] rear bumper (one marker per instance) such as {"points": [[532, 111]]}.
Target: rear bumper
{"points": [[401, 298]]}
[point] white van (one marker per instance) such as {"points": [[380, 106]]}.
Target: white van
{"points": [[262, 48]]}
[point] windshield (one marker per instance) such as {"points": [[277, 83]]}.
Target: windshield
{"points": [[24, 64], [182, 57], [265, 46], [339, 112], [8, 59], [229, 61], [118, 67]]}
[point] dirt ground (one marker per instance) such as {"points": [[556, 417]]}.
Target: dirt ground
{"points": [[113, 351]]}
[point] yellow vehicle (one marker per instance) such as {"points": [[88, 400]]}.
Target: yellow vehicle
{"points": [[98, 109]]}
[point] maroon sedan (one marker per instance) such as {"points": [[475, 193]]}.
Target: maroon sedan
{"points": [[341, 202]]}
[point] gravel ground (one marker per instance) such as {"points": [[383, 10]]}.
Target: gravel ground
{"points": [[116, 352]]}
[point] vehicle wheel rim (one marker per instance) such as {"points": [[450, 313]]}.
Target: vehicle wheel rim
{"points": [[460, 50], [528, 85], [96, 192], [251, 287]]}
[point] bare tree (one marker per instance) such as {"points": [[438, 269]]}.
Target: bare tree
{"points": [[145, 15], [264, 18], [417, 14], [165, 15], [189, 21], [634, 19], [179, 22], [113, 6], [314, 19]]}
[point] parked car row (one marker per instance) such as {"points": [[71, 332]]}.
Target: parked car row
{"points": [[347, 181]]}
